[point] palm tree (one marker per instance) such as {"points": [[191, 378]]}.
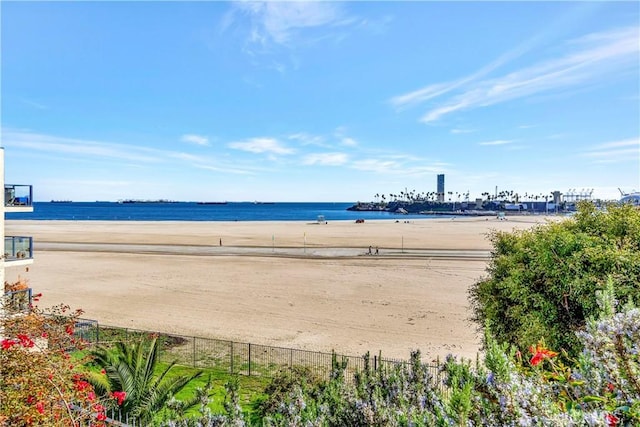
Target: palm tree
{"points": [[131, 367]]}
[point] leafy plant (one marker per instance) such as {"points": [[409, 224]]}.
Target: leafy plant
{"points": [[542, 282], [131, 368]]}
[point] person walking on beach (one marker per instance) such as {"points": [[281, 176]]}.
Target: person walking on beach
{"points": [[370, 250], [221, 241], [377, 250]]}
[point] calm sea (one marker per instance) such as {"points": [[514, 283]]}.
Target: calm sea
{"points": [[185, 211]]}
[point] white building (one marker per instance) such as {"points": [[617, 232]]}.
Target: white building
{"points": [[18, 250], [633, 198]]}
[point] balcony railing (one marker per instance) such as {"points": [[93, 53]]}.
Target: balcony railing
{"points": [[15, 302], [18, 248], [18, 195]]}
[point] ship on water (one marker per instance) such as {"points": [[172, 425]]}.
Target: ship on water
{"points": [[125, 201]]}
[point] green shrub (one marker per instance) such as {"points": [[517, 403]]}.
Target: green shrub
{"points": [[542, 282]]}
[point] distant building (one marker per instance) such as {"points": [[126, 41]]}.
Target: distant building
{"points": [[441, 187], [633, 198]]}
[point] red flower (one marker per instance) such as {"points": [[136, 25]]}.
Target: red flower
{"points": [[101, 417], [40, 407], [7, 344], [25, 341], [120, 396], [540, 353], [98, 408], [610, 387], [91, 396], [103, 372], [81, 385], [69, 329], [611, 420]]}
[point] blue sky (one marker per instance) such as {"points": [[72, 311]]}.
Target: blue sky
{"points": [[322, 101]]}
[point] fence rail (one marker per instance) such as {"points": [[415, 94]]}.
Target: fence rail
{"points": [[238, 357], [17, 301]]}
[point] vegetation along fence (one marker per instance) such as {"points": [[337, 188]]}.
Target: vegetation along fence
{"points": [[240, 358]]}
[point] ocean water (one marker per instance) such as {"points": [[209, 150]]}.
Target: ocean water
{"points": [[185, 211]]}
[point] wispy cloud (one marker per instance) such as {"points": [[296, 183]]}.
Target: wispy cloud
{"points": [[615, 151], [435, 90], [631, 142], [458, 131], [262, 145], [307, 139], [192, 138], [205, 163], [341, 134], [589, 59], [400, 165], [349, 142], [497, 142], [34, 104], [79, 147], [281, 23], [325, 159], [100, 151]]}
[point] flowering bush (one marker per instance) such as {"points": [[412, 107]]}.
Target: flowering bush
{"points": [[42, 382]]}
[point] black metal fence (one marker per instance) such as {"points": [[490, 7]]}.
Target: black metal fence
{"points": [[17, 301], [238, 357]]}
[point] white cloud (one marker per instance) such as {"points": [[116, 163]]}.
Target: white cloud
{"points": [[615, 151], [592, 59], [376, 165], [195, 139], [34, 104], [261, 145], [79, 147], [281, 22], [349, 142], [457, 131], [201, 162], [340, 133], [496, 142], [98, 151], [400, 165], [438, 89], [326, 159], [307, 139], [631, 142]]}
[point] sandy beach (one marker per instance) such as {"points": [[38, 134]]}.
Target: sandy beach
{"points": [[292, 284]]}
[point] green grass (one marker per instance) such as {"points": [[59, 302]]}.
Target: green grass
{"points": [[251, 389]]}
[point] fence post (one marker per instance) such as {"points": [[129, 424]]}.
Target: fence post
{"points": [[291, 359], [97, 333], [249, 359], [231, 357], [375, 363], [194, 352]]}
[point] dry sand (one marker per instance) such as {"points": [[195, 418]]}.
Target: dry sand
{"points": [[291, 284]]}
